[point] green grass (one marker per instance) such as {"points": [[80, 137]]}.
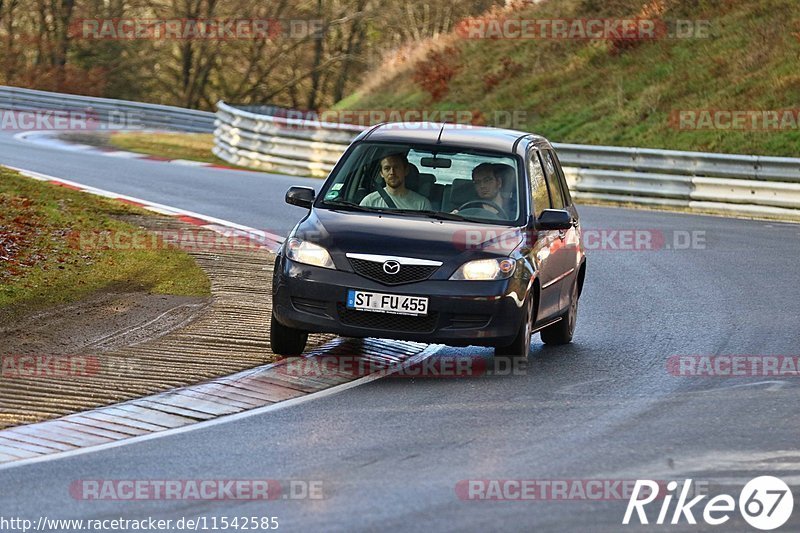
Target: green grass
{"points": [[573, 91], [191, 146], [41, 264]]}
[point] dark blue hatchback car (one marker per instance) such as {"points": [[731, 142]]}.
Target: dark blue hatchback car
{"points": [[448, 234]]}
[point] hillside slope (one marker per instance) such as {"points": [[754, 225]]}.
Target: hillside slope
{"points": [[631, 93]]}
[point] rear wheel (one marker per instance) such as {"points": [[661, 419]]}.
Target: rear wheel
{"points": [[285, 340], [520, 347], [562, 331]]}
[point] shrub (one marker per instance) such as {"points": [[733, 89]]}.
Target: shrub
{"points": [[434, 73]]}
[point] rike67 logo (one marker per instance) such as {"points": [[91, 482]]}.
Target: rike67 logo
{"points": [[765, 503]]}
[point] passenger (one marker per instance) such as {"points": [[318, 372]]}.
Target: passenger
{"points": [[394, 169]]}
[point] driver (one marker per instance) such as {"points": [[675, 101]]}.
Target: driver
{"points": [[394, 169], [488, 186]]}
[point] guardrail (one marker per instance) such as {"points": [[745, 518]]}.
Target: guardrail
{"points": [[115, 113], [280, 145], [745, 184]]}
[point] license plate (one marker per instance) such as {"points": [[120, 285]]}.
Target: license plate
{"points": [[387, 303]]}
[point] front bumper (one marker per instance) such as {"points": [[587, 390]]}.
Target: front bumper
{"points": [[460, 313]]}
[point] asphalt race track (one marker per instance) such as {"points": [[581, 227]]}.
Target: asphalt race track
{"points": [[390, 454]]}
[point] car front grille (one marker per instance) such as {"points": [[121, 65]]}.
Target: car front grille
{"points": [[407, 273], [387, 321]]}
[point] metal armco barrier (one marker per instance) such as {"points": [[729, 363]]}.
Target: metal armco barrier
{"points": [[117, 114], [744, 184], [280, 145], [741, 184]]}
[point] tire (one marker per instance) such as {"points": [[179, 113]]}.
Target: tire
{"points": [[562, 331], [285, 340], [520, 347]]}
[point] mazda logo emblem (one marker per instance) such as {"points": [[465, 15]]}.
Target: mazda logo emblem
{"points": [[391, 267]]}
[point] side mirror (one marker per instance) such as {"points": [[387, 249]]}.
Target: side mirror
{"points": [[300, 196], [556, 219]]}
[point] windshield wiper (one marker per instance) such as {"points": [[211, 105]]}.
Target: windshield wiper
{"points": [[439, 215], [350, 206]]}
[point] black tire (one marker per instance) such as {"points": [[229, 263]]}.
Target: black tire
{"points": [[562, 331], [520, 347], [285, 340]]}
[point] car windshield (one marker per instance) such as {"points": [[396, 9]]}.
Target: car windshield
{"points": [[420, 180]]}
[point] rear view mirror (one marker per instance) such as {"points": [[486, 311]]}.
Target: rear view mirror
{"points": [[554, 219], [300, 196], [436, 162]]}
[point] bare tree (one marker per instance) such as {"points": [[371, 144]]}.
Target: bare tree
{"points": [[62, 13], [38, 48], [352, 50]]}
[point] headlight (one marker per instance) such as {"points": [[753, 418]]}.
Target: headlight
{"points": [[485, 269], [308, 253]]}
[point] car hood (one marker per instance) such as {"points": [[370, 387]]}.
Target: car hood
{"points": [[406, 236]]}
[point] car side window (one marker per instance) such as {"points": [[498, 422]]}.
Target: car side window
{"points": [[553, 183], [562, 179], [540, 199]]}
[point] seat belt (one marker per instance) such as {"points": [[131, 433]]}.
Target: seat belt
{"points": [[386, 198]]}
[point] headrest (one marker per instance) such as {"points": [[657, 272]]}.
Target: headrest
{"points": [[507, 174]]}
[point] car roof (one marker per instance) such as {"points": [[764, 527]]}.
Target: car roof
{"points": [[453, 135]]}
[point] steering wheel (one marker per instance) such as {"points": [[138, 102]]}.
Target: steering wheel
{"points": [[473, 203]]}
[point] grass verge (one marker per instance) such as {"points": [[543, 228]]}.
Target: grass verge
{"points": [[741, 57], [190, 146], [41, 265]]}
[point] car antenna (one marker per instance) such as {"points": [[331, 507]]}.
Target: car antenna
{"points": [[439, 138]]}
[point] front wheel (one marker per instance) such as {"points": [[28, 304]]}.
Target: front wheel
{"points": [[520, 347], [285, 340], [562, 331]]}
